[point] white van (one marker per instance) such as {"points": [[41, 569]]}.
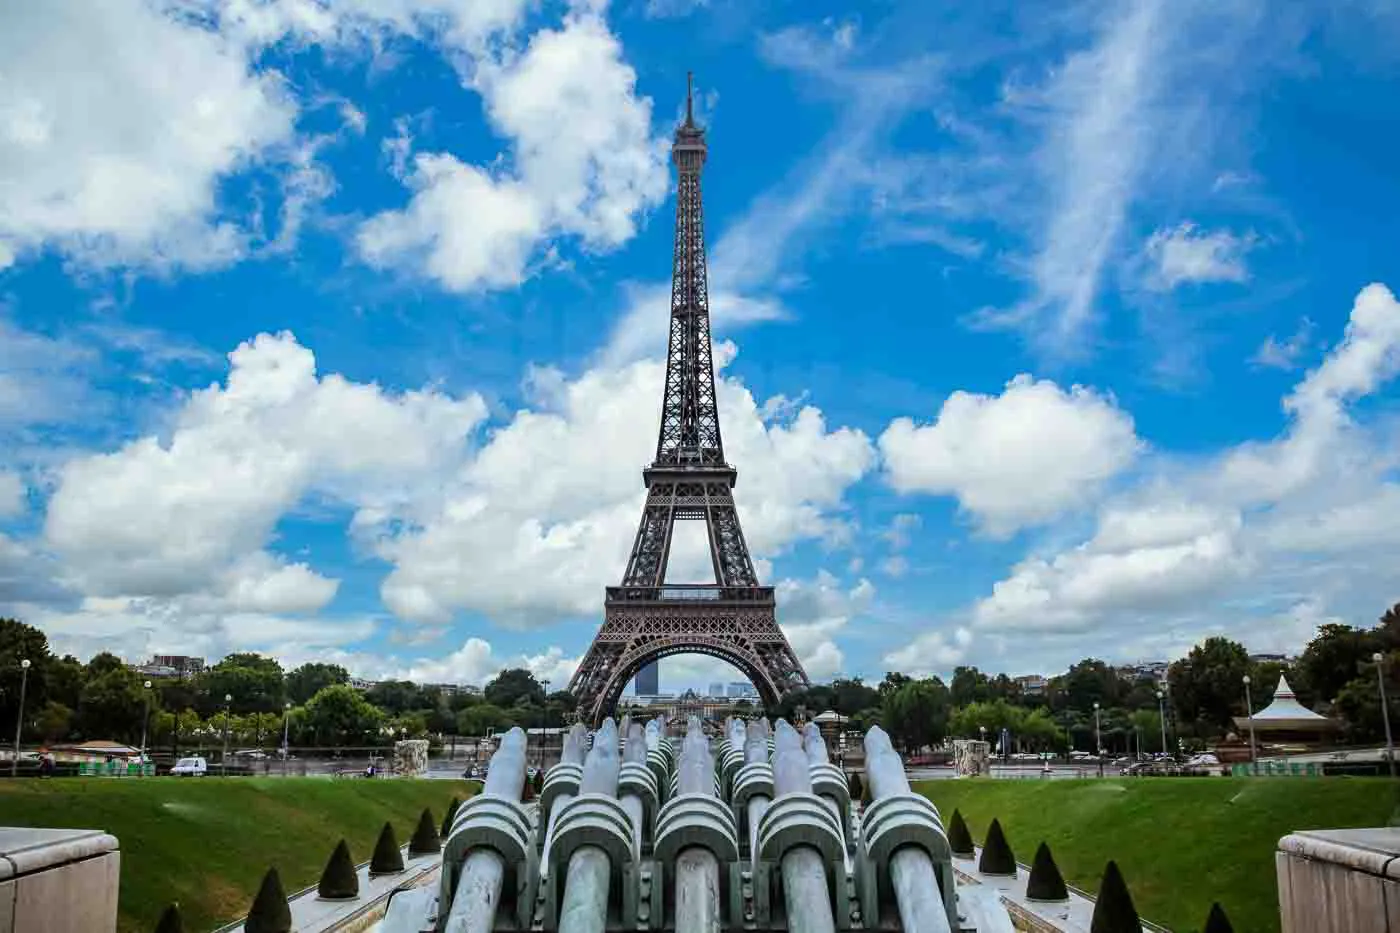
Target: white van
{"points": [[190, 767]]}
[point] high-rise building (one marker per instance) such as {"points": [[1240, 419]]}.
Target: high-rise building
{"points": [[648, 682], [742, 688], [716, 690]]}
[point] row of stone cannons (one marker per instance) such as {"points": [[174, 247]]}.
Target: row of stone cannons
{"points": [[640, 831], [761, 834]]}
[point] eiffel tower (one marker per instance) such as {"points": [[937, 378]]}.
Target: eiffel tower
{"points": [[645, 618]]}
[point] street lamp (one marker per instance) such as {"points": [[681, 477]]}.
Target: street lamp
{"points": [[1385, 710], [223, 764], [1162, 717], [145, 723], [1098, 738], [286, 717], [19, 720], [544, 731], [1249, 709]]}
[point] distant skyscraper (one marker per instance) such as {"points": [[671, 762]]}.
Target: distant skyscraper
{"points": [[648, 682], [716, 690]]}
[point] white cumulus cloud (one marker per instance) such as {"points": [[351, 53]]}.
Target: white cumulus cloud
{"points": [[1016, 459]]}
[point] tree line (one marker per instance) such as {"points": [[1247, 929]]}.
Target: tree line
{"points": [[1335, 673], [68, 700]]}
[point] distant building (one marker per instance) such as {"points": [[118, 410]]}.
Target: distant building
{"points": [[359, 683], [1144, 670], [648, 682], [182, 664], [1032, 685], [741, 689], [1269, 659], [452, 690], [156, 671], [716, 690]]}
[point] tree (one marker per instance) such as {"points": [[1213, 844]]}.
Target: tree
{"points": [[969, 685], [340, 715], [916, 714], [512, 685], [1147, 725], [1038, 731], [481, 719], [255, 683], [54, 722], [20, 642], [309, 679], [850, 696], [1207, 686], [892, 682], [1334, 658], [395, 696], [1091, 681], [111, 705]]}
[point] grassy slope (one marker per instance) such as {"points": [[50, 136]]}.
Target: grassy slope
{"points": [[1180, 843], [206, 843]]}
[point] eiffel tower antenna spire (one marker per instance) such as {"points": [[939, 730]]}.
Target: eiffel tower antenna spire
{"points": [[734, 618]]}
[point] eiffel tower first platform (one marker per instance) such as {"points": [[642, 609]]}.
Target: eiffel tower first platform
{"points": [[646, 619]]}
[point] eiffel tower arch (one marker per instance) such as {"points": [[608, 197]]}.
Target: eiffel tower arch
{"points": [[645, 618]]}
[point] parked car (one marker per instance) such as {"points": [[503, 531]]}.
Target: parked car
{"points": [[190, 767]]}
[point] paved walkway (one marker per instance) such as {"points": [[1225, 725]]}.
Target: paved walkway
{"points": [[310, 914]]}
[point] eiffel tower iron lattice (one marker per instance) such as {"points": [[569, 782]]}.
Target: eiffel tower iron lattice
{"points": [[646, 619]]}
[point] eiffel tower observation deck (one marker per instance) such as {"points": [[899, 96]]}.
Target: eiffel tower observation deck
{"points": [[646, 618]]}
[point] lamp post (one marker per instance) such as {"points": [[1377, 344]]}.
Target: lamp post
{"points": [[1162, 717], [544, 719], [223, 763], [19, 720], [1249, 709], [145, 724], [286, 718], [1098, 738], [1385, 710]]}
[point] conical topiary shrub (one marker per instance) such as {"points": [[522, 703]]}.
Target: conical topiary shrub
{"points": [[1114, 911], [340, 881], [959, 838], [447, 820], [171, 921], [1217, 922], [997, 857], [270, 912], [387, 859], [538, 782], [855, 786], [425, 838], [1046, 883]]}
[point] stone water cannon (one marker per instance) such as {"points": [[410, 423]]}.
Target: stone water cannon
{"points": [[799, 874], [489, 863], [752, 787], [904, 863], [828, 780], [697, 844], [730, 757]]}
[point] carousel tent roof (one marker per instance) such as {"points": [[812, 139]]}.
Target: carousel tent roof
{"points": [[1285, 712]]}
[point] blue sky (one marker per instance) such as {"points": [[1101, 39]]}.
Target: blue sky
{"points": [[1047, 330]]}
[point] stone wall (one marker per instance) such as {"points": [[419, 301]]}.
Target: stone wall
{"points": [[1339, 881], [58, 881]]}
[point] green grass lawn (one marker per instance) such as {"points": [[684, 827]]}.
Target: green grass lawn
{"points": [[206, 843], [1181, 843]]}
